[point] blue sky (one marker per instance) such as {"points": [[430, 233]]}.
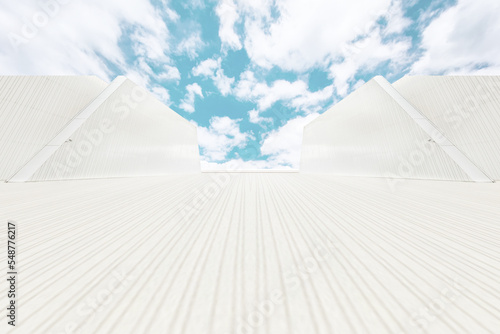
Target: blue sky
{"points": [[250, 74]]}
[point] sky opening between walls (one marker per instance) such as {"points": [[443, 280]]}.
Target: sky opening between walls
{"points": [[249, 74]]}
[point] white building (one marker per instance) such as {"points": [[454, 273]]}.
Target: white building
{"points": [[132, 238], [441, 128], [58, 128]]}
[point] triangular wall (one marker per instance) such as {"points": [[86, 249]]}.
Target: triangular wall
{"points": [[131, 133], [34, 109], [465, 108], [369, 133]]}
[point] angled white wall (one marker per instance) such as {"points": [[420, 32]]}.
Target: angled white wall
{"points": [[129, 134], [34, 109], [466, 109], [369, 133]]}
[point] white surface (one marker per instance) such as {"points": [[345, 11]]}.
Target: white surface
{"points": [[422, 252], [466, 109], [369, 133], [27, 171], [130, 133], [474, 173], [33, 109]]}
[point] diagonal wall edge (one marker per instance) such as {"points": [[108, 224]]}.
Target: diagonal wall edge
{"points": [[27, 171], [476, 174]]}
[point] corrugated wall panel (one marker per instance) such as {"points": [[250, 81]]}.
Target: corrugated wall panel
{"points": [[369, 134], [466, 109], [33, 109], [130, 134], [260, 253]]}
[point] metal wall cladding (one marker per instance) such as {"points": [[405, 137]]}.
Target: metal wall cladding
{"points": [[370, 134], [260, 253], [130, 134], [33, 109], [467, 111]]}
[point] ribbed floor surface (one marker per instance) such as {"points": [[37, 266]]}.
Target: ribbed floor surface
{"points": [[269, 253]]}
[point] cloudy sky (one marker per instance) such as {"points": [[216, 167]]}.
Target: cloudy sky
{"points": [[249, 73]]}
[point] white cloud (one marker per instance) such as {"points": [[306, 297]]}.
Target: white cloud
{"points": [[228, 15], [221, 137], [461, 40], [222, 82], [283, 144], [206, 67], [323, 34], [150, 46], [191, 45], [172, 15], [257, 9], [293, 94], [187, 104], [358, 84], [249, 88], [143, 75], [161, 94], [254, 117], [65, 43], [169, 73], [396, 21], [308, 33], [212, 68], [366, 54], [139, 77], [313, 101], [282, 90]]}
